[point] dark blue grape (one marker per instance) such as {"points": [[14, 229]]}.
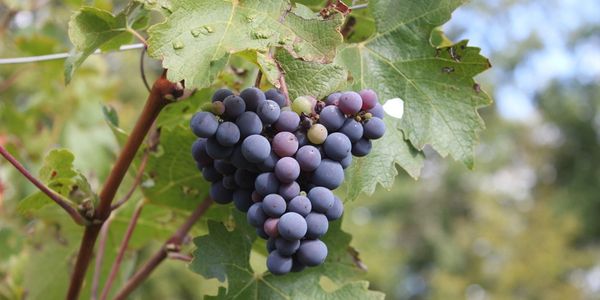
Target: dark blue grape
{"points": [[249, 124], [266, 183], [262, 233], [289, 190], [374, 128], [199, 153], [292, 226], [337, 146], [285, 144], [220, 194], [244, 178], [256, 216], [288, 121], [268, 111], [221, 94], [285, 247], [309, 158], [311, 252], [242, 199], [224, 167], [347, 161], [204, 124], [377, 111], [362, 147], [301, 205], [256, 148], [268, 165], [278, 264], [275, 95], [301, 137], [329, 174], [333, 99], [332, 118], [210, 174], [216, 150], [352, 129], [274, 205], [287, 169], [229, 182], [228, 134], [321, 199], [317, 225], [271, 244], [234, 106], [253, 98], [336, 211]]}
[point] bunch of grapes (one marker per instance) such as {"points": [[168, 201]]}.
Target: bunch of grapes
{"points": [[280, 163]]}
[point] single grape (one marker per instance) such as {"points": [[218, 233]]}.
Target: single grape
{"points": [[249, 124], [352, 129], [268, 111], [278, 264], [347, 161], [350, 103], [292, 226], [216, 150], [210, 174], [301, 205], [220, 194], [287, 169], [266, 183], [204, 124], [317, 134], [333, 99], [244, 178], [242, 199], [336, 211], [289, 190], [337, 146], [274, 205], [229, 182], [261, 233], [271, 244], [234, 106], [321, 199], [285, 144], [303, 104], [256, 148], [224, 167], [332, 118], [228, 134], [311, 252], [239, 161], [369, 99], [288, 121], [221, 94], [270, 227], [253, 97], [317, 225], [329, 174], [377, 111], [301, 137], [275, 95], [362, 147], [268, 165], [256, 216], [199, 153], [285, 247], [374, 128], [309, 158]]}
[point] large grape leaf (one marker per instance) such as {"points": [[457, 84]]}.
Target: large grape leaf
{"points": [[198, 37], [225, 255], [440, 96]]}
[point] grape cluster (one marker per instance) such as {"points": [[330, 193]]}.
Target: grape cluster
{"points": [[280, 163]]}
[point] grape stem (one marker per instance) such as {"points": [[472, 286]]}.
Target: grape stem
{"points": [[163, 92], [172, 245], [56, 197], [258, 78]]}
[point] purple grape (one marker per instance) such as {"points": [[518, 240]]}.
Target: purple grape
{"points": [[242, 199], [253, 98], [268, 111], [234, 106], [275, 95], [204, 124], [287, 169], [285, 144], [220, 194], [199, 153], [350, 103], [312, 252], [268, 165], [374, 128], [333, 99], [274, 205], [317, 225], [377, 111], [321, 199], [285, 247], [228, 134], [266, 183], [292, 226], [352, 129], [249, 124], [210, 174], [278, 264], [216, 150], [256, 148], [329, 174], [332, 118], [289, 190], [270, 226], [309, 158], [221, 94], [369, 99], [256, 216], [362, 147], [301, 137], [336, 211], [238, 160], [337, 146], [301, 205], [288, 121]]}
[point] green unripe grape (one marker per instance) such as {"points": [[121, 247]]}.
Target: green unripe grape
{"points": [[217, 108], [304, 105], [317, 134]]}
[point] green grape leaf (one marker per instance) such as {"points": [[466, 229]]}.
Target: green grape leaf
{"points": [[310, 78], [197, 39], [173, 179], [92, 28], [225, 255], [380, 165], [59, 174], [440, 97]]}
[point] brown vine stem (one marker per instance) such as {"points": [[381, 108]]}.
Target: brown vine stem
{"points": [[136, 182], [163, 92], [57, 198], [124, 244], [171, 245], [100, 258]]}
